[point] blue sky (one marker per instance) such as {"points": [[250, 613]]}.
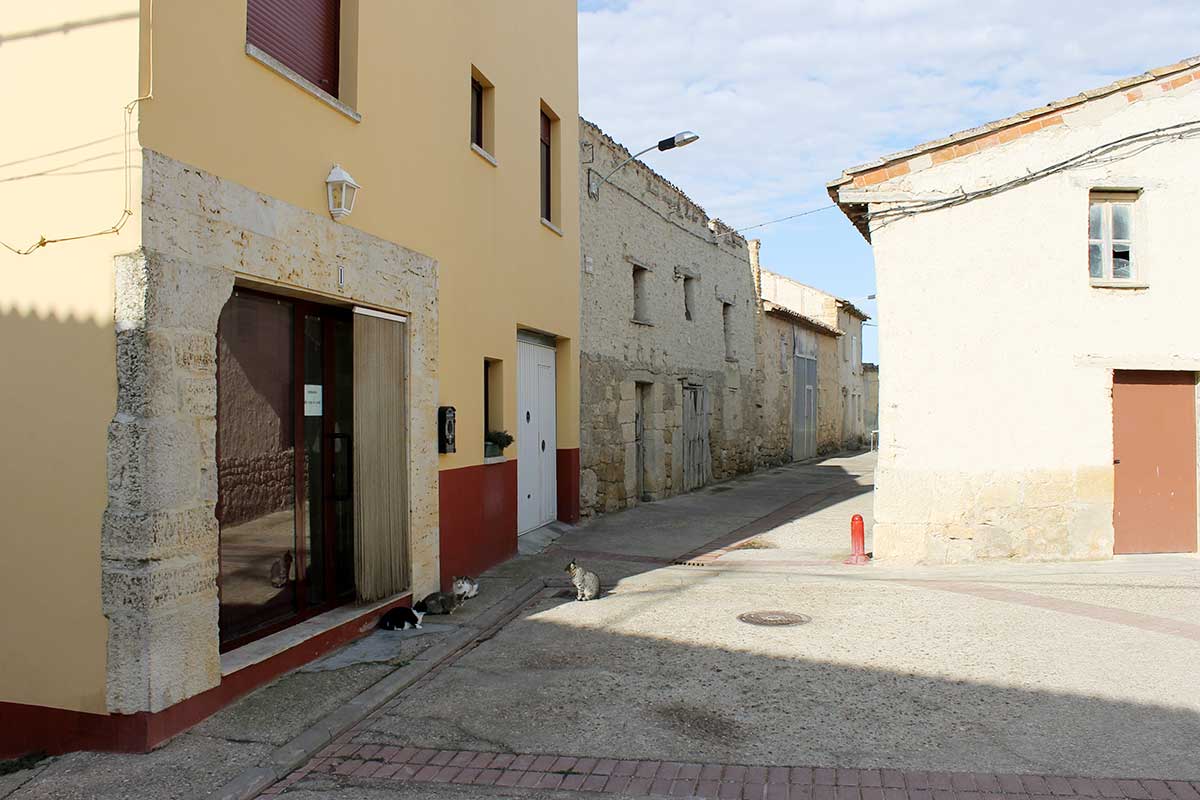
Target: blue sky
{"points": [[787, 93]]}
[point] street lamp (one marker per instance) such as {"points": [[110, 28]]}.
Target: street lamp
{"points": [[681, 139]]}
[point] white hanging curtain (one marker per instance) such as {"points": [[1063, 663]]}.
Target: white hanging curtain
{"points": [[380, 456]]}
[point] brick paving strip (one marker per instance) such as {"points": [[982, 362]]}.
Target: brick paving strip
{"points": [[710, 781], [335, 727], [1118, 616]]}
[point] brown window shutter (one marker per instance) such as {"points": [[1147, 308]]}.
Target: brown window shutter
{"points": [[303, 34]]}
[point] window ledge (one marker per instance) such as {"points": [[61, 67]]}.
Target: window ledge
{"points": [[1097, 284], [552, 226], [645, 322], [484, 154], [494, 459], [287, 73]]}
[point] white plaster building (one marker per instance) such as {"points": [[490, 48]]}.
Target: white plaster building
{"points": [[1037, 279]]}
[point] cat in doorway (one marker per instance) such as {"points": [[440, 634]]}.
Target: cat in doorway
{"points": [[401, 617], [465, 586], [439, 603]]}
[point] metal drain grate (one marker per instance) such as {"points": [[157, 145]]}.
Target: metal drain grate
{"points": [[774, 619]]}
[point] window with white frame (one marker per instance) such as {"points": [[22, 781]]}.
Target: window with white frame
{"points": [[1110, 236]]}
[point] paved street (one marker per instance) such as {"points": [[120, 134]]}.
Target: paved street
{"points": [[930, 684]]}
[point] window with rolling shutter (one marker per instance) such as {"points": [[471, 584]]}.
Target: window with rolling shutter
{"points": [[302, 34]]}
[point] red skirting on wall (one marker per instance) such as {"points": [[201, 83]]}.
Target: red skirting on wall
{"points": [[568, 485], [478, 525], [29, 729]]}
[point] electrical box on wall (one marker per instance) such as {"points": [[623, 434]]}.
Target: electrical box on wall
{"points": [[446, 429]]}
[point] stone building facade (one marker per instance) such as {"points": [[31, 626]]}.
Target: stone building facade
{"points": [[797, 359], [841, 389], [669, 345]]}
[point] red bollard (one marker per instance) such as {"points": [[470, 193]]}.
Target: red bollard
{"points": [[858, 542]]}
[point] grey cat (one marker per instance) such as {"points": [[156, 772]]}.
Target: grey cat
{"points": [[587, 584], [465, 586], [439, 603]]}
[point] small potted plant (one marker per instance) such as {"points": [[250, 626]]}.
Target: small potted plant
{"points": [[494, 443]]}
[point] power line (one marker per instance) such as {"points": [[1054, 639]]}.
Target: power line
{"points": [[781, 219], [1101, 154]]}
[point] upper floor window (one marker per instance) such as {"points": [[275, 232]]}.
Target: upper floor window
{"points": [[1110, 237], [482, 114], [476, 113], [727, 323], [689, 297], [547, 157], [303, 35], [641, 299]]}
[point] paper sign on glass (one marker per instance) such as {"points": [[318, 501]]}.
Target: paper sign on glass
{"points": [[312, 400]]}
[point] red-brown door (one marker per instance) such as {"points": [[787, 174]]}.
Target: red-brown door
{"points": [[1154, 456]]}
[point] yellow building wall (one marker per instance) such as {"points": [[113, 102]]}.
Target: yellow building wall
{"points": [[422, 186], [69, 69]]}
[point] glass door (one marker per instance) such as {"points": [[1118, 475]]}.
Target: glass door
{"points": [[284, 455]]}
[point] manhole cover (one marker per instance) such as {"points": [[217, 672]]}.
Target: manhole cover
{"points": [[774, 618]]}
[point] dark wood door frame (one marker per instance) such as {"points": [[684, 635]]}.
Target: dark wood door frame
{"points": [[327, 314]]}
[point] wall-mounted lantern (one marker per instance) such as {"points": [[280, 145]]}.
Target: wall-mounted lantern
{"points": [[342, 191]]}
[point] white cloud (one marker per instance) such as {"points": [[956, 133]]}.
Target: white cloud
{"points": [[786, 94]]}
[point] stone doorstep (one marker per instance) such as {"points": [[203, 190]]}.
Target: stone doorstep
{"points": [[270, 646], [283, 762], [711, 781]]}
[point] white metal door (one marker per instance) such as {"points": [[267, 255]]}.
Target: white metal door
{"points": [[537, 445]]}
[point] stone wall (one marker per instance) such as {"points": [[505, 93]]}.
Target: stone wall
{"points": [[775, 366], [160, 538], [639, 221]]}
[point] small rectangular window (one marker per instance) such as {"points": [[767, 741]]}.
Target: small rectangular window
{"points": [[689, 297], [727, 322], [482, 132], [493, 405], [546, 162], [1110, 236], [476, 113], [641, 302]]}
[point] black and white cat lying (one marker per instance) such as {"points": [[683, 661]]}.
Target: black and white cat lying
{"points": [[401, 617]]}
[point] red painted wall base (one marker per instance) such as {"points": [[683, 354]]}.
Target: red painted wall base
{"points": [[478, 518], [29, 729], [568, 485]]}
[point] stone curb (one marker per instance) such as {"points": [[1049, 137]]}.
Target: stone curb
{"points": [[283, 760]]}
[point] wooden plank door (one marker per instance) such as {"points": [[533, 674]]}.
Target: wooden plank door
{"points": [[691, 432], [1154, 458]]}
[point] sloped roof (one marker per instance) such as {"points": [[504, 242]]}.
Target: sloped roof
{"points": [[801, 319], [1002, 131], [1123, 84]]}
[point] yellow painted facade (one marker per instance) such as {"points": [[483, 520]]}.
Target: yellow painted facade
{"points": [[70, 67], [423, 186], [405, 70]]}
